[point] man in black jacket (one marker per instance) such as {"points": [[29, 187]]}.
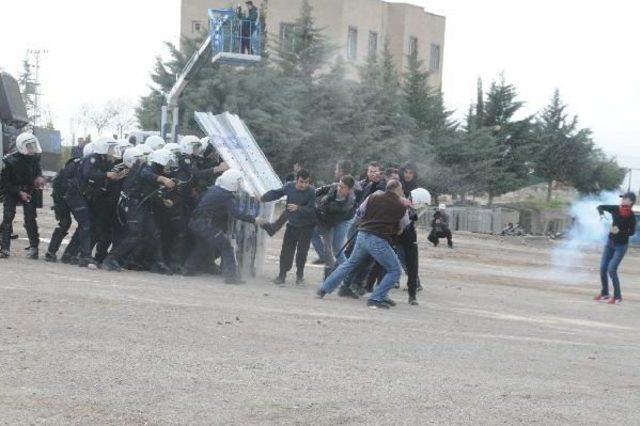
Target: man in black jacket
{"points": [[301, 219], [334, 208], [623, 227], [21, 183]]}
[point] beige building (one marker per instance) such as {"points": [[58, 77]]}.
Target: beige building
{"points": [[357, 27]]}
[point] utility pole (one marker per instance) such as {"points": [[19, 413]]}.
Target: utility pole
{"points": [[31, 82], [631, 169]]}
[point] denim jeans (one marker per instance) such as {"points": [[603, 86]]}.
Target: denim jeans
{"points": [[337, 234], [381, 251], [611, 258]]}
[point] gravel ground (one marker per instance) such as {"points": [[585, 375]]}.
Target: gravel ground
{"points": [[498, 338]]}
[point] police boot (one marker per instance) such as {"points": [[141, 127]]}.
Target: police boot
{"points": [[32, 253]]}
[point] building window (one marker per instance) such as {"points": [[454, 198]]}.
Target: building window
{"points": [[352, 43], [413, 46], [373, 44], [287, 37], [434, 60], [196, 26]]}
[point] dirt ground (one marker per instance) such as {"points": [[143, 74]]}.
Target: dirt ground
{"points": [[499, 338]]}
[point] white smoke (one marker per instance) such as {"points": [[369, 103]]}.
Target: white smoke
{"points": [[588, 232]]}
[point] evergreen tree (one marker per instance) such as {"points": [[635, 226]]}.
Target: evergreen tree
{"points": [[307, 51], [511, 172], [562, 150]]}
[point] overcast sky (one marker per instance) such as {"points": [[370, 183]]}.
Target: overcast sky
{"points": [[103, 50]]}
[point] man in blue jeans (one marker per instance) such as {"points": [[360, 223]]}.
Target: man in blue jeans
{"points": [[382, 216], [623, 227]]}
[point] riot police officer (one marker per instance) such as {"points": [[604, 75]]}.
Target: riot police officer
{"points": [[141, 189], [21, 184]]}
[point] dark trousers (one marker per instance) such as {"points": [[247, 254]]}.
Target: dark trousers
{"points": [[142, 231], [297, 240], [209, 240], [435, 235], [103, 213], [30, 224], [63, 216], [409, 260], [81, 240], [611, 258]]}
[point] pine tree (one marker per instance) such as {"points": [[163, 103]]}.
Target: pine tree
{"points": [[308, 50], [562, 150], [511, 172]]}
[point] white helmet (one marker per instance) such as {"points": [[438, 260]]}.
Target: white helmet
{"points": [[231, 180], [190, 144], [27, 144], [106, 145], [146, 151], [420, 197], [132, 155], [174, 148], [88, 149], [163, 157], [155, 142], [442, 206]]}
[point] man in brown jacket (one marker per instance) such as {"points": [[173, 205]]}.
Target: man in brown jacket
{"points": [[381, 217]]}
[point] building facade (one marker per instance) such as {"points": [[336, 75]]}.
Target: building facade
{"points": [[358, 28]]}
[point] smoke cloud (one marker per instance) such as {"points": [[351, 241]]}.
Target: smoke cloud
{"points": [[588, 232]]}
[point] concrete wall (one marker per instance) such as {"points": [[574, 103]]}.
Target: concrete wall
{"points": [[476, 219], [394, 21]]}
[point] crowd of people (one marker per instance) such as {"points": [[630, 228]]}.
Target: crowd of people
{"points": [[166, 208]]}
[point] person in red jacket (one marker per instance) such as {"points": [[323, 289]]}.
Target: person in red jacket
{"points": [[623, 227]]}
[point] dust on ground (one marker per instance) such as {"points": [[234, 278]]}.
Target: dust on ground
{"points": [[498, 338]]}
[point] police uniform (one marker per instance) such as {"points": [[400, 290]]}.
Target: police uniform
{"points": [[18, 175]]}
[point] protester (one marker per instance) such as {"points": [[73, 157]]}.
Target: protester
{"points": [[382, 216], [300, 214], [333, 210], [342, 169], [623, 227]]}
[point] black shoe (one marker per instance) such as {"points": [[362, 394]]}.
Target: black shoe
{"points": [[347, 292], [32, 253], [279, 280], [87, 263], [50, 257], [413, 301], [320, 294], [389, 302], [318, 262], [4, 254], [300, 281], [374, 304], [160, 268], [111, 264], [268, 227], [361, 291], [69, 260], [234, 280]]}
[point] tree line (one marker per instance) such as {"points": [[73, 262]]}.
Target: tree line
{"points": [[300, 105]]}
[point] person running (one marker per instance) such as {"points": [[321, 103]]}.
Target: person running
{"points": [[623, 227]]}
